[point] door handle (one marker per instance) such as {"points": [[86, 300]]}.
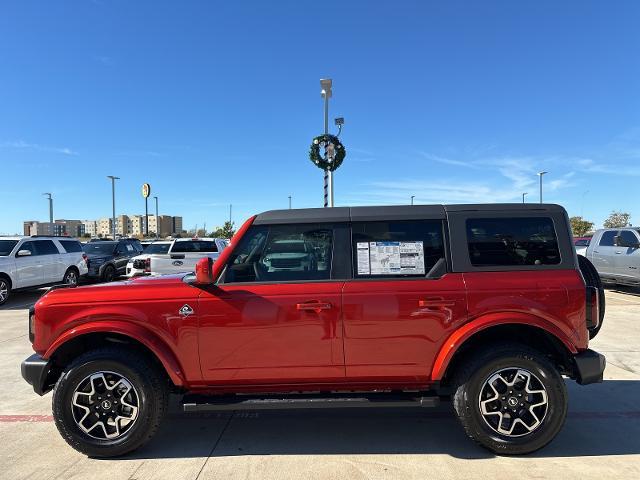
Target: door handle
{"points": [[313, 306], [436, 303], [596, 251], [618, 253]]}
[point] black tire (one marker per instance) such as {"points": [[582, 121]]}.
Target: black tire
{"points": [[149, 385], [592, 279], [474, 375], [71, 276], [5, 289], [109, 273]]}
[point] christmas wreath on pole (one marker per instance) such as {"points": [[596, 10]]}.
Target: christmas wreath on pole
{"points": [[334, 152]]}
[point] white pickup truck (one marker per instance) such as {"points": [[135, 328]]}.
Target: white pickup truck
{"points": [[183, 255]]}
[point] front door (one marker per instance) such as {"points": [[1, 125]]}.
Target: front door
{"points": [[275, 316], [29, 268], [401, 304]]}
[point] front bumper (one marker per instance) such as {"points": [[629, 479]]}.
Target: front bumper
{"points": [[590, 367], [35, 371]]}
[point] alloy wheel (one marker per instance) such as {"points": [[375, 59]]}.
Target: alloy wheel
{"points": [[71, 278], [513, 402], [4, 291], [105, 405]]}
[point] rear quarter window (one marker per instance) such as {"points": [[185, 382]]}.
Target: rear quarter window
{"points": [[512, 241], [71, 246]]}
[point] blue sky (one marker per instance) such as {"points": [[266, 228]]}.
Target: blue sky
{"points": [[216, 102]]}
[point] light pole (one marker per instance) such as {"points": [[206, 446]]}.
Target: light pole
{"points": [[50, 207], [156, 199], [412, 197], [523, 195], [541, 174], [289, 202], [325, 92], [113, 203]]}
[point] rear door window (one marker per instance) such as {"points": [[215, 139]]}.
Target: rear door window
{"points": [[46, 247], [396, 248], [608, 238], [512, 241], [195, 246]]}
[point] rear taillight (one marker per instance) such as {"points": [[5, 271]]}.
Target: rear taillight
{"points": [[86, 259], [593, 307], [147, 265]]}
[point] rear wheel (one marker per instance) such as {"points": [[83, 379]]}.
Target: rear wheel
{"points": [[109, 402], [70, 277], [108, 274], [510, 399], [592, 279], [5, 290]]}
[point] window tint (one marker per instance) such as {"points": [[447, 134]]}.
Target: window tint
{"points": [[512, 241], [583, 242], [71, 246], [99, 248], [157, 248], [28, 246], [392, 249], [608, 238], [194, 246], [282, 253], [46, 247], [629, 237], [6, 246]]}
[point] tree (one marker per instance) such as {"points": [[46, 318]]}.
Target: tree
{"points": [[617, 220], [226, 231], [580, 226]]}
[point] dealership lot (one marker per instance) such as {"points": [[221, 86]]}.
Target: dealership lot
{"points": [[600, 439]]}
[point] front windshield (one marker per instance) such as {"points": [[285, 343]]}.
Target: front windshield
{"points": [[6, 246], [158, 248], [99, 248]]}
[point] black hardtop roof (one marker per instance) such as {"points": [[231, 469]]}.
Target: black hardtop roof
{"points": [[392, 212]]}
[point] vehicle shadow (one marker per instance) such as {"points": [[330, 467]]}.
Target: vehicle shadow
{"points": [[603, 420], [23, 300]]}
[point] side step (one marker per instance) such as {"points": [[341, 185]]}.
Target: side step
{"points": [[198, 403]]}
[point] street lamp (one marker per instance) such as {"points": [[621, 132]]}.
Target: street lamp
{"points": [[50, 207], [156, 199], [525, 193], [541, 174], [289, 202], [325, 92], [412, 197], [113, 202]]}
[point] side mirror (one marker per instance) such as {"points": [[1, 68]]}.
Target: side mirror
{"points": [[23, 253], [204, 271]]}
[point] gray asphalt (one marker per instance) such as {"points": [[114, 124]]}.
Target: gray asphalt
{"points": [[601, 438]]}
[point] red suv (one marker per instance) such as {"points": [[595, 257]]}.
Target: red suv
{"points": [[347, 307]]}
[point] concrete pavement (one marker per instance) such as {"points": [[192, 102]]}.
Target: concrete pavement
{"points": [[601, 438]]}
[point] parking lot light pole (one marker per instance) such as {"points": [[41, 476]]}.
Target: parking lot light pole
{"points": [[412, 197], [50, 207], [289, 202], [325, 92], [541, 174], [113, 203], [523, 195], [156, 199]]}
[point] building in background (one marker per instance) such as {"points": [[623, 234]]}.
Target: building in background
{"points": [[105, 227], [90, 228], [72, 228], [59, 228], [177, 225], [138, 223], [123, 225]]}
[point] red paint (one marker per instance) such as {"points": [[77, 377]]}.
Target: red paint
{"points": [[331, 335]]}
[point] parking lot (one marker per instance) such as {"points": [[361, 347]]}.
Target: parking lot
{"points": [[601, 438]]}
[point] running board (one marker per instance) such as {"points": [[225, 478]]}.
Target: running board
{"points": [[196, 403]]}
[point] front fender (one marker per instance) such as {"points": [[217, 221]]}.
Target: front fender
{"points": [[134, 331], [465, 332]]}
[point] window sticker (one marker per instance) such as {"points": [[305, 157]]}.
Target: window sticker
{"points": [[389, 258]]}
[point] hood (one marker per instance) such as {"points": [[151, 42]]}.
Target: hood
{"points": [[143, 288]]}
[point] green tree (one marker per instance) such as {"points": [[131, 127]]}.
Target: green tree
{"points": [[226, 231], [580, 226], [617, 220]]}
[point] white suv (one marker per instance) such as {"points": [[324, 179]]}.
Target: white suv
{"points": [[31, 262]]}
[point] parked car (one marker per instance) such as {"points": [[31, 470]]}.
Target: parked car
{"points": [[37, 261], [581, 244], [141, 265], [184, 253], [108, 259], [615, 252], [402, 306]]}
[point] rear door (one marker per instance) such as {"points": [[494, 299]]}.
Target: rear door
{"points": [[627, 259], [401, 301], [604, 253], [49, 255]]}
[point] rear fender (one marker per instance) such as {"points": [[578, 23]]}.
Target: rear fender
{"points": [[134, 331], [464, 333]]}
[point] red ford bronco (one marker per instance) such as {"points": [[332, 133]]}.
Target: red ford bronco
{"points": [[341, 307]]}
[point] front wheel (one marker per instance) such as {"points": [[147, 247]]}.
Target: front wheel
{"points": [[5, 290], [108, 274], [109, 402], [510, 399]]}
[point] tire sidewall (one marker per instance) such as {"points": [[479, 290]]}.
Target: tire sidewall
{"points": [[8, 287], [106, 277], [65, 422], [554, 418], [66, 276]]}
